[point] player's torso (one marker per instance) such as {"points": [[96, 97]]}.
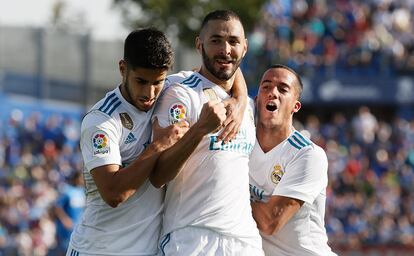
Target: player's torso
{"points": [[211, 189], [132, 128], [266, 173], [133, 226]]}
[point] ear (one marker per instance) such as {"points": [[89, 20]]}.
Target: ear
{"points": [[198, 44], [122, 68], [246, 46], [297, 106]]}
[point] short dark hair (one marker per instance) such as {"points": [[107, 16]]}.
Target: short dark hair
{"points": [[148, 48], [299, 80], [219, 15]]}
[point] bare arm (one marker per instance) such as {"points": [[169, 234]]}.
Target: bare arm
{"points": [[63, 217], [235, 107], [116, 184], [172, 160], [274, 214]]}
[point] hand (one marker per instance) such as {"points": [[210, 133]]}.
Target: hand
{"points": [[235, 112], [169, 135], [212, 117]]}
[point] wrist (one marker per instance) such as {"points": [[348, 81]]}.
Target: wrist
{"points": [[156, 146], [198, 131]]}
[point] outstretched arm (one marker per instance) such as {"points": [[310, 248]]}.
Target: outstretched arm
{"points": [[235, 107]]}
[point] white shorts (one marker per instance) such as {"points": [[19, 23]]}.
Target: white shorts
{"points": [[194, 241]]}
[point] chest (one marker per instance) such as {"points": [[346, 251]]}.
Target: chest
{"points": [[266, 171], [135, 135]]}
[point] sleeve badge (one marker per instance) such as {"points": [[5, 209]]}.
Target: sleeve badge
{"points": [[177, 113], [100, 143]]}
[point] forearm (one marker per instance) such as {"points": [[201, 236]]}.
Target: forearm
{"points": [[239, 89], [273, 215], [117, 184], [172, 159], [235, 107], [263, 217]]}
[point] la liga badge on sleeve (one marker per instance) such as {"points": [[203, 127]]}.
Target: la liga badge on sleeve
{"points": [[177, 113], [100, 143]]}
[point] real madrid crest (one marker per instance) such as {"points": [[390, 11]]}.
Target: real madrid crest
{"points": [[126, 121], [277, 174]]}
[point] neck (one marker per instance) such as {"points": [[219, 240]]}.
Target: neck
{"points": [[269, 138], [125, 92], [226, 85]]}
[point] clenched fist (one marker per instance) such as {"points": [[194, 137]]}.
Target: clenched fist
{"points": [[212, 117]]}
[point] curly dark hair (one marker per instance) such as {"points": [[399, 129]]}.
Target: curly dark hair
{"points": [[148, 48]]}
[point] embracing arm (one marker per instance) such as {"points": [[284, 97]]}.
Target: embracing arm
{"points": [[235, 107], [116, 184], [274, 214]]}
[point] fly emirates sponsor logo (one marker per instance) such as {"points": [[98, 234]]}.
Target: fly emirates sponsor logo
{"points": [[241, 144]]}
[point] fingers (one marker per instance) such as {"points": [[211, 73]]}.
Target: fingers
{"points": [[217, 107], [155, 123], [229, 132], [226, 102], [183, 124]]}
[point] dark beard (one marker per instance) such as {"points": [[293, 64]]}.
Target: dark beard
{"points": [[128, 92], [220, 75]]}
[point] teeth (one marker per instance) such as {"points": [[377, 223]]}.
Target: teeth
{"points": [[271, 106]]}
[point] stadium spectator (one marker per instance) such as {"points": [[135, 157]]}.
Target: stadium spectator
{"points": [[68, 209]]}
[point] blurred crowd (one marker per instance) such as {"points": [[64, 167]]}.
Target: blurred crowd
{"points": [[330, 38], [370, 197], [41, 194]]}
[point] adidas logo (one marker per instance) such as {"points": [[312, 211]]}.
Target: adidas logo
{"points": [[131, 138]]}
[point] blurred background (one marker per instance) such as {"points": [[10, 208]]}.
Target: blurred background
{"points": [[58, 57]]}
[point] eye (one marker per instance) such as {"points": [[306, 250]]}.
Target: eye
{"points": [[283, 89], [233, 42]]}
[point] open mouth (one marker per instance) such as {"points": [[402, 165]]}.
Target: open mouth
{"points": [[271, 106]]}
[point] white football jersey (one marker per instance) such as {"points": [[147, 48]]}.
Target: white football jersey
{"points": [[211, 191], [296, 168], [115, 132]]}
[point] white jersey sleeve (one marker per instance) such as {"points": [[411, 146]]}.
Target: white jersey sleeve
{"points": [[306, 177], [99, 140], [176, 105]]}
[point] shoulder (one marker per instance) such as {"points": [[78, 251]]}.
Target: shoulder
{"points": [[98, 118], [299, 144], [109, 104], [179, 77], [188, 80]]}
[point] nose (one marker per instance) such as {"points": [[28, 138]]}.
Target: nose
{"points": [[225, 48], [273, 93], [149, 92]]}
